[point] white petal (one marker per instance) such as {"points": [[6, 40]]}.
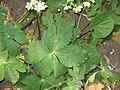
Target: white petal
{"points": [[86, 4]]}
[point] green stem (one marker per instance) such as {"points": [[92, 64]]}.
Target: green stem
{"points": [[39, 27], [57, 85], [23, 17], [80, 18], [28, 24]]}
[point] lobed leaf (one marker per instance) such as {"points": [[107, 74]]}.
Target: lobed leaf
{"points": [[10, 68], [36, 83], [102, 24]]}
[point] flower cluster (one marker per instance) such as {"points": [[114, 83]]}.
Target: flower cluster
{"points": [[36, 5], [70, 5]]}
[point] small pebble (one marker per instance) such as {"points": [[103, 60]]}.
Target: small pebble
{"points": [[33, 22], [112, 51], [28, 19], [110, 68]]}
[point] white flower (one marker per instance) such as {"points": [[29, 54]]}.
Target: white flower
{"points": [[40, 6], [86, 4], [35, 5], [31, 5], [93, 1], [78, 9], [67, 7], [28, 6]]}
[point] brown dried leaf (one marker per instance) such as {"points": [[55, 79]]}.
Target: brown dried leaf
{"points": [[98, 86], [116, 36]]}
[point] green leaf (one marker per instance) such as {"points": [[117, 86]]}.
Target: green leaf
{"points": [[43, 68], [17, 64], [118, 10], [60, 37], [37, 51], [102, 24], [92, 55], [68, 88], [76, 33], [16, 34], [61, 40], [10, 73], [51, 80], [35, 83], [3, 57], [43, 60], [114, 4], [9, 67], [54, 5], [92, 77], [92, 12], [94, 8], [49, 36], [63, 24], [84, 68], [49, 64], [3, 14], [58, 68], [75, 72], [32, 82], [2, 28], [48, 18], [69, 55], [73, 84], [12, 46], [108, 77], [1, 73]]}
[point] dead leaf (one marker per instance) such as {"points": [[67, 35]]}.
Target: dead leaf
{"points": [[98, 86], [116, 36]]}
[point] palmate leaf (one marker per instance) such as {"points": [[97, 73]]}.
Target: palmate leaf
{"points": [[37, 51], [103, 24], [58, 68], [53, 51], [43, 60], [45, 67], [7, 42], [36, 83], [12, 38], [48, 19], [59, 34], [12, 46], [9, 67], [69, 55], [56, 40], [16, 33], [49, 36], [63, 24]]}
